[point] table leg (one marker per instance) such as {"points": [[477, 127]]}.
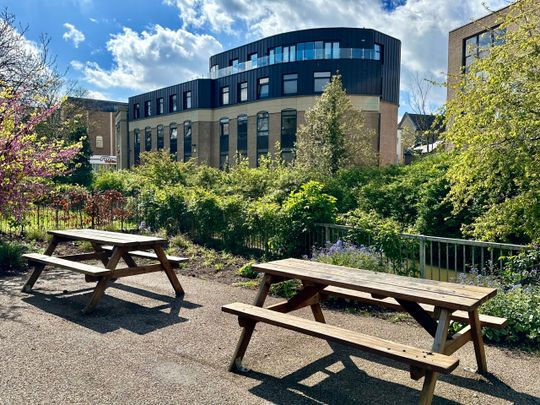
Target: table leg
{"points": [[247, 330], [476, 333], [162, 257], [103, 282], [439, 343], [98, 249], [38, 268]]}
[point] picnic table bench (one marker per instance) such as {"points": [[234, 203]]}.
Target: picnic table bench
{"points": [[109, 248], [431, 303]]}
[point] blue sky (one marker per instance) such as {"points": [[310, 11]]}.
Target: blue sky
{"points": [[120, 48]]}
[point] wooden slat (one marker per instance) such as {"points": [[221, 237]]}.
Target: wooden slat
{"points": [[403, 353], [105, 237], [488, 321], [67, 264], [407, 288], [133, 271], [175, 260], [80, 257]]}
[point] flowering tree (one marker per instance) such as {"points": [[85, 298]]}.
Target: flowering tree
{"points": [[26, 159]]}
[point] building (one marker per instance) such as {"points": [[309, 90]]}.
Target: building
{"points": [[420, 132], [472, 41], [256, 96], [104, 125]]}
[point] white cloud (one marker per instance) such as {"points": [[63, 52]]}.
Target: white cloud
{"points": [[421, 25], [96, 95], [94, 20], [152, 59], [73, 34]]}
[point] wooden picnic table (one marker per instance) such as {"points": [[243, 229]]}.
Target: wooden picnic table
{"points": [[109, 248], [431, 303]]}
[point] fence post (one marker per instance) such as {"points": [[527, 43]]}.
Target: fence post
{"points": [[422, 256], [326, 235]]}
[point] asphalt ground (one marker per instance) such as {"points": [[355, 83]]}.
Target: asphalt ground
{"points": [[144, 346]]}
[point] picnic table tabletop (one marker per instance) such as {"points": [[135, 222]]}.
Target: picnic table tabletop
{"points": [[107, 237]]}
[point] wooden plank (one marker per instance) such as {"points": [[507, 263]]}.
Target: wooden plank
{"points": [[453, 289], [476, 335], [354, 279], [38, 267], [111, 238], [460, 316], [458, 340], [80, 257], [67, 264], [133, 271], [175, 260], [421, 316], [406, 354], [167, 268]]}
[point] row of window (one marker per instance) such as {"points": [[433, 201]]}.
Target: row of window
{"points": [[298, 52], [289, 87], [477, 46], [160, 105], [288, 137]]}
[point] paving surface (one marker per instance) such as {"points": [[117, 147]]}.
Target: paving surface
{"points": [[143, 346]]}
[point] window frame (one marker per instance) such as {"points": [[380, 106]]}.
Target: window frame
{"points": [[147, 139], [160, 106], [187, 97], [244, 119], [317, 77], [261, 85], [173, 100], [241, 87], [173, 151], [188, 136], [286, 79], [225, 95]]}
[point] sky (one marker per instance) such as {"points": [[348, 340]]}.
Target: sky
{"points": [[119, 48]]}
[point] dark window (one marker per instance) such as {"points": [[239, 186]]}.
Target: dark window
{"points": [[147, 139], [187, 140], [242, 134], [320, 80], [262, 134], [290, 83], [172, 103], [147, 108], [477, 46], [136, 147], [288, 129], [223, 143], [263, 88], [225, 95], [173, 140], [160, 137], [136, 111], [187, 100], [159, 106], [243, 91]]}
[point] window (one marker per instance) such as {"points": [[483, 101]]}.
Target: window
{"points": [[234, 64], [288, 134], [223, 143], [159, 106], [160, 137], [187, 100], [335, 50], [225, 95], [173, 140], [147, 139], [275, 55], [136, 111], [292, 53], [262, 134], [242, 134], [136, 147], [172, 103], [309, 50], [253, 60], [187, 141], [263, 88], [99, 141], [320, 80], [147, 108], [214, 71], [319, 50], [243, 91], [285, 54], [477, 46], [328, 50], [290, 83], [378, 52]]}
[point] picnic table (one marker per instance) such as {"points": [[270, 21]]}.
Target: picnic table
{"points": [[432, 304], [109, 248]]}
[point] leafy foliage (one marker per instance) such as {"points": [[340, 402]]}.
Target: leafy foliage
{"points": [[11, 257]]}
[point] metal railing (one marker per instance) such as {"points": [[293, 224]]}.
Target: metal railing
{"points": [[434, 257]]}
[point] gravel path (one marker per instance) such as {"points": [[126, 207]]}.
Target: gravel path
{"points": [[143, 346]]}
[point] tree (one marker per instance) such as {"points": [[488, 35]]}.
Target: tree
{"points": [[79, 169], [333, 136], [27, 160], [494, 127]]}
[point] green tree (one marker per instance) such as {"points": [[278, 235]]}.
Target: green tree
{"points": [[334, 135], [494, 128], [80, 167]]}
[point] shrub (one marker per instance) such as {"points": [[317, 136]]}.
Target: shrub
{"points": [[11, 257], [247, 271], [346, 254], [105, 180]]}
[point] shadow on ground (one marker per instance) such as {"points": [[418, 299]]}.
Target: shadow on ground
{"points": [[113, 313], [336, 379]]}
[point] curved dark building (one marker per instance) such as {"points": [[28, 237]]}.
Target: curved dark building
{"points": [[257, 95]]}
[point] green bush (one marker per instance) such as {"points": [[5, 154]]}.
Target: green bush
{"points": [[247, 271], [11, 257], [105, 180], [346, 254]]}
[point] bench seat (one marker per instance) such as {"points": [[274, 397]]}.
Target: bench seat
{"points": [[412, 356], [174, 260], [84, 268], [487, 321]]}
